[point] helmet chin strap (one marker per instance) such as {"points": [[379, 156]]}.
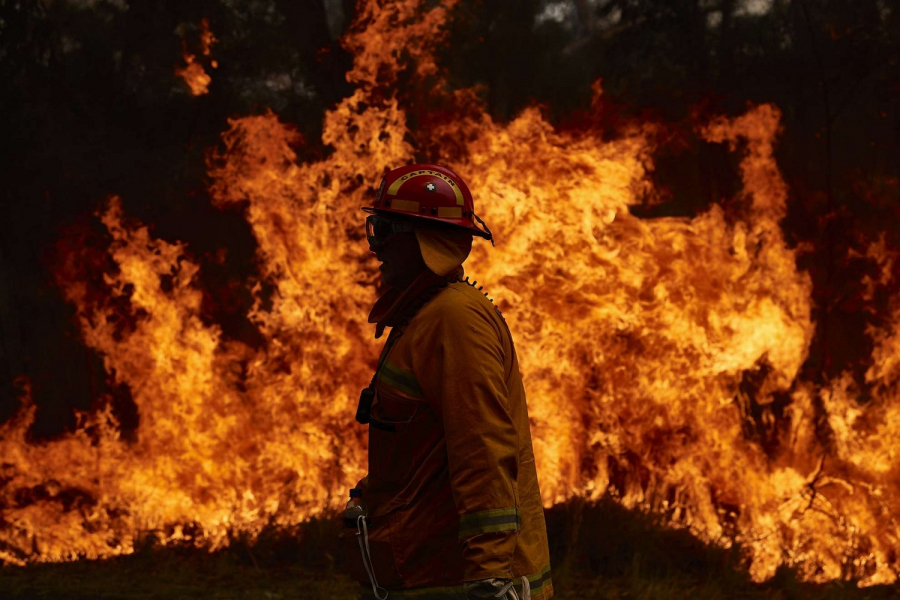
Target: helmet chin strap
{"points": [[490, 235]]}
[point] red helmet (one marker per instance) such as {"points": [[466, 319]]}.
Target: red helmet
{"points": [[432, 192]]}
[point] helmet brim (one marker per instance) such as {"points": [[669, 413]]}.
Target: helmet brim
{"points": [[433, 221]]}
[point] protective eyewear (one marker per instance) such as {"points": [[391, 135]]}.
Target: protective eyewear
{"points": [[379, 229]]}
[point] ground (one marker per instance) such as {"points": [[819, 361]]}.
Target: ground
{"points": [[616, 554]]}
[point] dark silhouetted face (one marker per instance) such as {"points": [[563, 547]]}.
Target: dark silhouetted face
{"points": [[401, 259]]}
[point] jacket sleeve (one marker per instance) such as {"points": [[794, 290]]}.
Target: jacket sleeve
{"points": [[461, 367]]}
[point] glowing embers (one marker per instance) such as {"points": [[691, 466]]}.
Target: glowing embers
{"points": [[193, 73]]}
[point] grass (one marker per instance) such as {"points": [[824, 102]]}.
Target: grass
{"points": [[597, 552]]}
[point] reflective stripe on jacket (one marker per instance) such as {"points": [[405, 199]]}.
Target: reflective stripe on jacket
{"points": [[452, 488]]}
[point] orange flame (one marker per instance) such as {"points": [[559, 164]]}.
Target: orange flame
{"points": [[193, 73], [647, 345]]}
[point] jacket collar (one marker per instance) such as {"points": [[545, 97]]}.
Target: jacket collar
{"points": [[395, 306]]}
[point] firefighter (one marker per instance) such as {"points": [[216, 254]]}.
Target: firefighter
{"points": [[452, 498]]}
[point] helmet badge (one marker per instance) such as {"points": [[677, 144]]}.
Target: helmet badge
{"points": [[430, 187]]}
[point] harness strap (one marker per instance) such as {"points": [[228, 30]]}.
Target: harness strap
{"points": [[363, 531], [526, 589], [511, 590]]}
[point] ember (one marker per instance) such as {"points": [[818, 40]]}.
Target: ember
{"points": [[193, 73]]}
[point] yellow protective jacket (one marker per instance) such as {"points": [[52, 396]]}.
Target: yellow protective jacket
{"points": [[452, 490]]}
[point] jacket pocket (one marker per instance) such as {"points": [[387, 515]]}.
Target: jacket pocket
{"points": [[390, 452], [381, 554]]}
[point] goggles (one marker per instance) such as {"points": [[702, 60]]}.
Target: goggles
{"points": [[379, 229]]}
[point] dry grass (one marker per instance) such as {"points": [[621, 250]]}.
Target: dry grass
{"points": [[597, 552]]}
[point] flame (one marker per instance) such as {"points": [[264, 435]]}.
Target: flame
{"points": [[662, 357], [193, 73]]}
